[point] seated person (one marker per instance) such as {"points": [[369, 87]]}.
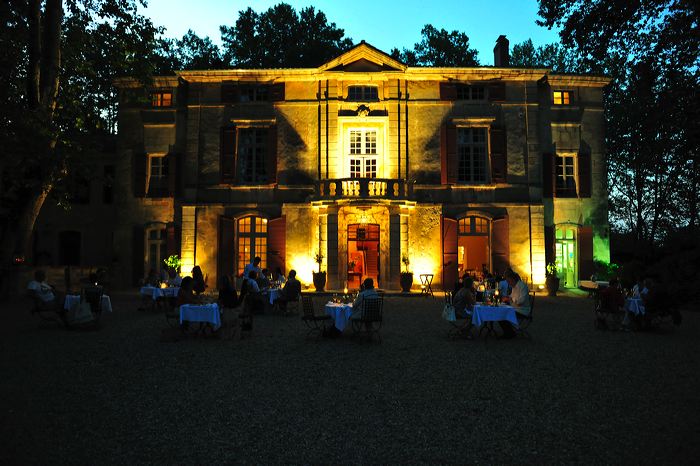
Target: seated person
{"points": [[460, 283], [45, 295], [264, 279], [253, 298], [228, 298], [199, 284], [519, 298], [174, 278], [152, 279], [185, 294], [638, 289], [368, 292], [278, 276], [464, 299], [502, 286], [611, 298], [290, 291]]}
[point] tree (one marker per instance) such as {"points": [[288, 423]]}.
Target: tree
{"points": [[651, 51], [189, 53], [61, 62], [281, 38], [554, 56], [439, 48]]}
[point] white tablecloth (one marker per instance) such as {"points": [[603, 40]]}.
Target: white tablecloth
{"points": [[484, 313], [273, 294], [635, 306], [340, 313], [74, 300], [201, 313], [156, 292]]}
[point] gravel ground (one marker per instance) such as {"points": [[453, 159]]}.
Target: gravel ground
{"points": [[571, 394]]}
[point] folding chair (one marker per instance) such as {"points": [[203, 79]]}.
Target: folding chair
{"points": [[604, 315], [461, 328], [314, 323], [524, 321], [370, 320]]}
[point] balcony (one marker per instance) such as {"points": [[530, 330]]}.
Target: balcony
{"points": [[363, 188]]}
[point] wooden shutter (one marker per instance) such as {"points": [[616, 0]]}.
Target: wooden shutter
{"points": [[448, 154], [443, 154], [138, 164], [499, 155], [449, 252], [228, 154], [171, 239], [171, 160], [276, 243], [138, 254], [584, 174], [547, 175], [229, 93], [448, 91], [585, 253], [271, 160], [226, 255], [497, 92], [549, 247], [500, 245], [276, 92]]}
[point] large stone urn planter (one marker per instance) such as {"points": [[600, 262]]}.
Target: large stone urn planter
{"points": [[319, 281], [406, 281]]}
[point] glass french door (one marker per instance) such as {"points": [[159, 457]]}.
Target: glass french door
{"points": [[363, 154], [565, 245]]}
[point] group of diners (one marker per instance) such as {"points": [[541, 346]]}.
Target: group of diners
{"points": [[512, 290], [654, 300]]}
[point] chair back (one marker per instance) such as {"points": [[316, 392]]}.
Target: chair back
{"points": [[532, 305], [448, 297], [307, 304], [93, 296], [372, 309]]}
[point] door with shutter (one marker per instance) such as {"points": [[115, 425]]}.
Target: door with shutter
{"points": [[449, 252], [226, 255], [547, 175], [448, 154], [228, 154], [276, 244], [271, 161], [139, 166], [584, 174], [500, 245]]}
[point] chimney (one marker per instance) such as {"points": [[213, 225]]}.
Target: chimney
{"points": [[501, 54]]}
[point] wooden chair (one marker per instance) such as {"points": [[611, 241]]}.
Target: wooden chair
{"points": [[93, 296], [370, 319], [314, 323], [462, 327], [524, 321], [605, 316], [49, 312]]}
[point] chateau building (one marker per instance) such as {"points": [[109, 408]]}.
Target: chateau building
{"points": [[363, 160]]}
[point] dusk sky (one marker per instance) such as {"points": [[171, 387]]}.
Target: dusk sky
{"points": [[384, 24]]}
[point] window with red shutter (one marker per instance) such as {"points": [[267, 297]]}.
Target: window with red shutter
{"points": [[584, 174], [499, 155], [228, 154]]}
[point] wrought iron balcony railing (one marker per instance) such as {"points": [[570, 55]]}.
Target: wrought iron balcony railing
{"points": [[363, 188]]}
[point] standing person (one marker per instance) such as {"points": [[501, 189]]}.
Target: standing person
{"points": [[290, 292], [199, 285], [519, 298], [254, 266]]}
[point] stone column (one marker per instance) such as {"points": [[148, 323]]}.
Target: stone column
{"points": [[333, 278]]}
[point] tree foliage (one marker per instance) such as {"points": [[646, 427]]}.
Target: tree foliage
{"points": [[650, 49], [282, 38], [189, 53], [553, 56], [439, 48]]}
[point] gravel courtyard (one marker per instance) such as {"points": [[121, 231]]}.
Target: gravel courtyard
{"points": [[571, 394]]}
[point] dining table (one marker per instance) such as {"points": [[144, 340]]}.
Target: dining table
{"points": [[73, 300], [157, 292], [484, 315], [340, 313], [205, 313]]}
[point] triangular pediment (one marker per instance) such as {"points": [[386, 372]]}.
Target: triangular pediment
{"points": [[363, 58]]}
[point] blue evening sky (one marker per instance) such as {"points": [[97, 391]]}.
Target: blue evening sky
{"points": [[384, 24]]}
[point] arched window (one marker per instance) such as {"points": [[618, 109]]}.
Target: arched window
{"points": [[251, 241], [476, 226]]}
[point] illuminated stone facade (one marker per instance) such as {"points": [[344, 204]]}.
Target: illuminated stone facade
{"points": [[365, 160]]}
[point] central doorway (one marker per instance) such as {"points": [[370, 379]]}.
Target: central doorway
{"points": [[363, 253], [473, 253]]}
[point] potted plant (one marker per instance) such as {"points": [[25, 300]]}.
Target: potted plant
{"points": [[551, 280], [406, 276], [173, 264], [319, 277]]}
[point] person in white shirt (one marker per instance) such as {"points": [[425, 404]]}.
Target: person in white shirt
{"points": [[45, 293], [519, 298]]}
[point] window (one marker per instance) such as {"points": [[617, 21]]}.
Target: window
{"points": [[465, 92], [252, 150], [363, 153], [156, 247], [474, 226], [157, 175], [162, 99], [472, 154], [363, 93], [253, 94], [563, 97], [79, 190], [251, 241], [108, 184], [565, 177]]}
